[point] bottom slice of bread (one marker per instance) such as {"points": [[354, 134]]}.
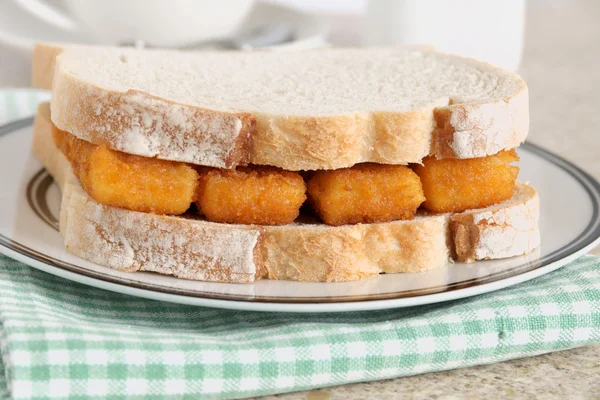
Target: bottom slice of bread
{"points": [[192, 248]]}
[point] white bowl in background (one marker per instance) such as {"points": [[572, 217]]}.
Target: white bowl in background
{"points": [[19, 30]]}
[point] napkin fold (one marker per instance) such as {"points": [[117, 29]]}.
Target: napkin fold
{"points": [[60, 339]]}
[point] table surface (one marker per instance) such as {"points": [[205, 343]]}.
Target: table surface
{"points": [[560, 65]]}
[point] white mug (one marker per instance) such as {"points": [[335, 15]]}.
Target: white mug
{"points": [[489, 30], [156, 22]]}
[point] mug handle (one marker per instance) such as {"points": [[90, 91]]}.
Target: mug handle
{"points": [[49, 14]]}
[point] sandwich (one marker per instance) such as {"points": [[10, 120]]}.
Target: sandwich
{"points": [[316, 165]]}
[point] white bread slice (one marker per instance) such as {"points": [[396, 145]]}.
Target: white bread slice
{"points": [[196, 249], [54, 161], [134, 241], [499, 231], [306, 110]]}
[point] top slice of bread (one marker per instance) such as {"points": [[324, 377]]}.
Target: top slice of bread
{"points": [[305, 110]]}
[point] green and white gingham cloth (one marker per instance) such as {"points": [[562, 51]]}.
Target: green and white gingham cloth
{"points": [[63, 340]]}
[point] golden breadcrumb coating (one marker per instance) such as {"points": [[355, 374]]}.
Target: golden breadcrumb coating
{"points": [[365, 193], [250, 195], [128, 181], [458, 185]]}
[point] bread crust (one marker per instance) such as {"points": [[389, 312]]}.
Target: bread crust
{"points": [[319, 253], [196, 249], [499, 231], [43, 147], [478, 130], [138, 123], [133, 241]]}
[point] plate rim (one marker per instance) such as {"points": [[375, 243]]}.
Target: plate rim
{"points": [[585, 241], [45, 178]]}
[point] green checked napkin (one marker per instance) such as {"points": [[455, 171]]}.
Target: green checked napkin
{"points": [[61, 340], [65, 340]]}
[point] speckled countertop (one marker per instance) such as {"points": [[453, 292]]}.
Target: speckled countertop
{"points": [[561, 64], [572, 374]]}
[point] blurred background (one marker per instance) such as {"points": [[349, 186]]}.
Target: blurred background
{"points": [[553, 44], [491, 30]]}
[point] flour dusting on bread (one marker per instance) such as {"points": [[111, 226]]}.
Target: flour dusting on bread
{"points": [[319, 111]]}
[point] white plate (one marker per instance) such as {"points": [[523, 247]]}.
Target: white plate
{"points": [[20, 30], [29, 207]]}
